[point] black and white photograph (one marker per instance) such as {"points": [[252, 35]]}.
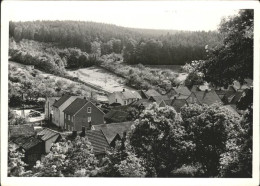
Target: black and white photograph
{"points": [[130, 89]]}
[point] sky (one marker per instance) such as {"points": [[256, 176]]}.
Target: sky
{"points": [[152, 15]]}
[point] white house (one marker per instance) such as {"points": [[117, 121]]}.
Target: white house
{"points": [[58, 108], [124, 97]]}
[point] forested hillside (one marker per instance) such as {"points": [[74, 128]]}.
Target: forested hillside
{"points": [[143, 46]]}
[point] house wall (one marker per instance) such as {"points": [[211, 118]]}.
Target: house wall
{"points": [[55, 117], [34, 154], [114, 98], [62, 108], [49, 142], [81, 117], [68, 122]]}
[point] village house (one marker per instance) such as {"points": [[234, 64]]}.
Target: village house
{"points": [[23, 138], [158, 99], [82, 113], [115, 116], [96, 138], [32, 146], [150, 93], [124, 97], [48, 107], [175, 103], [48, 136], [179, 92], [58, 108], [114, 131], [203, 97]]}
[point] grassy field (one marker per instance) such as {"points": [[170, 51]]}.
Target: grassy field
{"points": [[100, 78], [175, 68]]}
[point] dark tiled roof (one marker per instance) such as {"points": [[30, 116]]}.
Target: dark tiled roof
{"points": [[62, 100], [182, 90], [145, 102], [176, 103], [231, 109], [27, 142], [98, 141], [232, 97], [21, 130], [47, 133], [208, 98], [112, 129], [75, 106], [116, 115], [159, 99], [152, 92]]}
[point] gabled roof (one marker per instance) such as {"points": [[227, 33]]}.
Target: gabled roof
{"points": [[98, 141], [144, 102], [21, 130], [112, 129], [47, 133], [159, 99], [62, 100], [116, 115], [230, 108], [152, 92], [207, 97], [75, 106], [182, 90], [233, 97], [176, 103], [129, 94], [27, 142]]}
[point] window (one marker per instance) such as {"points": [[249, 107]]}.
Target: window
{"points": [[89, 119], [65, 116], [72, 118], [89, 109], [69, 117], [125, 102]]}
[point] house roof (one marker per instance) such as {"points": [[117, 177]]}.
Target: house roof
{"points": [[233, 97], [27, 142], [116, 115], [159, 99], [230, 108], [98, 141], [47, 133], [75, 106], [62, 100], [182, 90], [145, 102], [21, 130], [129, 94], [207, 97], [152, 92], [176, 103], [112, 129]]}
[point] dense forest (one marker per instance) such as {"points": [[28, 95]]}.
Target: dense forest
{"points": [[143, 46]]}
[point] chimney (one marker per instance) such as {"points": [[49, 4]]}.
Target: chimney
{"points": [[123, 90], [84, 97], [74, 133], [175, 97], [83, 133]]}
